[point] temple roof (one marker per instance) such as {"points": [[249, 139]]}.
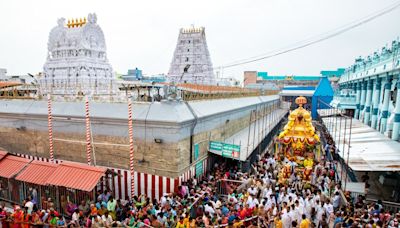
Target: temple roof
{"points": [[164, 111]]}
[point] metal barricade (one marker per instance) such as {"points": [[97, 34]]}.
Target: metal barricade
{"points": [[226, 186], [387, 205]]}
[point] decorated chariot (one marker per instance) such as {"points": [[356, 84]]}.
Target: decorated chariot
{"points": [[297, 146]]}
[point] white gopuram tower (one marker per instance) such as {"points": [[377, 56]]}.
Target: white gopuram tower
{"points": [[191, 62], [77, 61]]}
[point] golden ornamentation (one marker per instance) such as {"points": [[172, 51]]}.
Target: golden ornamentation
{"points": [[299, 127], [76, 23]]}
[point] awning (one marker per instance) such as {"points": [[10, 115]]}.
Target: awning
{"points": [[3, 154], [37, 172], [12, 165], [4, 84], [369, 149], [248, 139], [306, 93], [77, 176]]}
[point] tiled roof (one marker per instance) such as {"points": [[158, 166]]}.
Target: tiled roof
{"points": [[12, 165], [37, 172], [76, 176]]}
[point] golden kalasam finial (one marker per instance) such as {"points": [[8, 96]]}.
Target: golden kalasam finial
{"points": [[76, 22], [301, 101]]}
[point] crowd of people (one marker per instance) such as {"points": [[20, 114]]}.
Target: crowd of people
{"points": [[224, 197]]}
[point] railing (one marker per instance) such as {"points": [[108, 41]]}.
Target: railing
{"points": [[387, 205], [206, 95], [227, 186]]}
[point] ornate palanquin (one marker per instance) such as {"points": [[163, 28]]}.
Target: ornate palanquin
{"points": [[298, 143]]}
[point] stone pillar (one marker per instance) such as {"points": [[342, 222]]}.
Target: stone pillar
{"points": [[358, 94], [396, 124], [362, 99], [368, 102], [385, 106], [375, 103]]}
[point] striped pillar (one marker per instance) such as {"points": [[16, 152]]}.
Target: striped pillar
{"points": [[385, 106], [358, 95], [362, 99], [50, 127], [88, 135], [396, 124], [130, 128], [367, 114], [375, 103]]}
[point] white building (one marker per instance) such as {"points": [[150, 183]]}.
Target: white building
{"points": [[77, 61], [3, 73], [191, 62]]}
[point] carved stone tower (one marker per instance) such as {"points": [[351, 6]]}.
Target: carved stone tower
{"points": [[77, 62], [191, 62]]}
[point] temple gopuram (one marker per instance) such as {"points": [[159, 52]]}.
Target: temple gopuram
{"points": [[297, 147]]}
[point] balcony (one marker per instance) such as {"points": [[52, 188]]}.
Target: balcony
{"points": [[344, 101]]}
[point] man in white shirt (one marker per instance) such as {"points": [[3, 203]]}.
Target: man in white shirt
{"points": [[336, 201], [252, 190], [208, 207], [328, 207], [29, 205], [163, 199], [286, 220], [75, 217], [252, 201], [107, 219]]}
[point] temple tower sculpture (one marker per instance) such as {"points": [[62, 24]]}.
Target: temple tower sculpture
{"points": [[191, 62], [77, 62]]}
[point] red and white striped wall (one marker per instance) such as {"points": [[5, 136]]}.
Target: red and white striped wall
{"points": [[153, 186], [37, 158], [191, 172]]}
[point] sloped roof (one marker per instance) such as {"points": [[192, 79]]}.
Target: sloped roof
{"points": [[369, 149], [324, 88], [37, 172], [3, 154], [164, 111], [12, 165], [306, 93], [76, 175], [213, 107], [4, 84]]}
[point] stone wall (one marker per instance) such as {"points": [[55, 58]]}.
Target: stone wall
{"points": [[28, 134], [110, 151]]}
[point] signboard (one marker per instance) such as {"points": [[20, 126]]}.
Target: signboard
{"points": [[199, 168], [216, 146], [196, 151], [225, 149], [358, 187], [230, 150]]}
